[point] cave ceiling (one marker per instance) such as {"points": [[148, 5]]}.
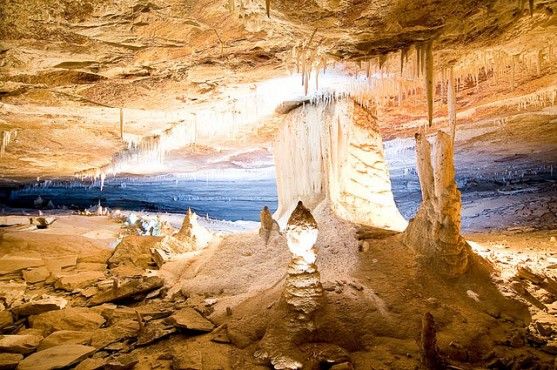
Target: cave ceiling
{"points": [[68, 68]]}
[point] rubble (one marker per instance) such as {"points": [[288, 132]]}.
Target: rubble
{"points": [[127, 288]]}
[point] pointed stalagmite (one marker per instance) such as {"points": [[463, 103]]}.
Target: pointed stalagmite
{"points": [[192, 232], [268, 224], [435, 231], [187, 226]]}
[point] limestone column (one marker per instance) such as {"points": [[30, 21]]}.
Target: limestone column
{"points": [[435, 231]]}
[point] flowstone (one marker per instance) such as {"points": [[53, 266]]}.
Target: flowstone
{"points": [[435, 231]]}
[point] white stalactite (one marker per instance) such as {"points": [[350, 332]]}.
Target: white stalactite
{"points": [[7, 137], [451, 103]]}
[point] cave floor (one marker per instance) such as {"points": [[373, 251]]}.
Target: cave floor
{"points": [[376, 296]]}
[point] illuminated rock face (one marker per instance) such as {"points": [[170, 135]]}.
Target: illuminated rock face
{"points": [[435, 231], [334, 151], [303, 287]]}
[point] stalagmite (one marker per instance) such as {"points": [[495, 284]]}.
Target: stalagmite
{"points": [[303, 289], [435, 231], [430, 352], [268, 224], [193, 233], [293, 321]]}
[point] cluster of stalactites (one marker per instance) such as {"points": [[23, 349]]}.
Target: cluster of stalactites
{"points": [[412, 76]]}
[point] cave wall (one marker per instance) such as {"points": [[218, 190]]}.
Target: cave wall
{"points": [[333, 151]]}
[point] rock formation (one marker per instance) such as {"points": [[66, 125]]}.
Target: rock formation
{"points": [[302, 297], [334, 150], [193, 233], [268, 224], [435, 231]]}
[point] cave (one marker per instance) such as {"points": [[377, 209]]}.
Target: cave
{"points": [[302, 184]]}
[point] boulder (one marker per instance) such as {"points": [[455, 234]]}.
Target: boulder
{"points": [[36, 275], [127, 289], [36, 307], [58, 357], [66, 337], [134, 250], [19, 343], [9, 361], [73, 318], [77, 280], [11, 264], [188, 318]]}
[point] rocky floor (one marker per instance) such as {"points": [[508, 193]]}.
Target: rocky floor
{"points": [[70, 299]]}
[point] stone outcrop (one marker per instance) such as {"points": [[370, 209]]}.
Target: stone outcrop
{"points": [[435, 231]]}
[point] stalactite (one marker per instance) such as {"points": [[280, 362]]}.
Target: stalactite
{"points": [[121, 123], [531, 7], [451, 103], [429, 80], [7, 137], [268, 8], [403, 57]]}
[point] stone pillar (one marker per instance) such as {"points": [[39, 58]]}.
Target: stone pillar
{"points": [[435, 231], [334, 152]]}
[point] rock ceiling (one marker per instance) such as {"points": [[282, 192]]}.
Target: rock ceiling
{"points": [[72, 71]]}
